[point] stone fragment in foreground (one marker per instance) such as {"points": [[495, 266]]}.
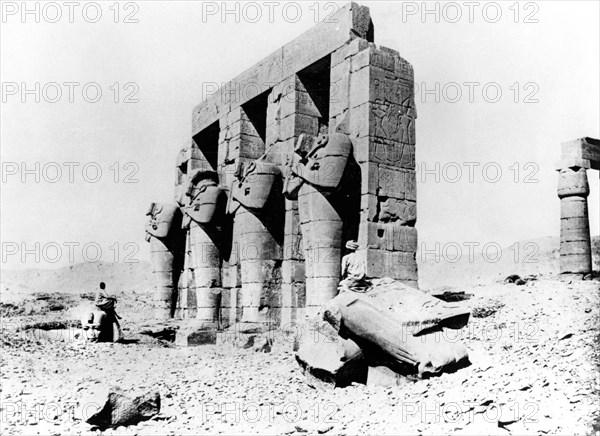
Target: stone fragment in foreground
{"points": [[401, 329], [196, 332], [120, 410], [414, 307], [328, 359]]}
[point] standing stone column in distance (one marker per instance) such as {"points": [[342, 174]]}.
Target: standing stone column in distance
{"points": [[163, 231], [575, 243]]}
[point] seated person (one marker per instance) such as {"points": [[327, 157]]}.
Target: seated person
{"points": [[354, 270]]}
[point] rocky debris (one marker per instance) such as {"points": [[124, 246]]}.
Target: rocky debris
{"points": [[521, 360], [259, 343], [161, 330], [486, 308], [196, 332], [518, 280], [120, 410], [51, 325], [452, 296]]}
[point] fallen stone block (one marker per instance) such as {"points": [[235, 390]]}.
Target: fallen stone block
{"points": [[161, 330], [413, 307], [196, 332], [120, 410], [260, 343], [327, 359], [390, 337]]}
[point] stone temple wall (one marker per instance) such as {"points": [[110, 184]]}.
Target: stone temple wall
{"points": [[280, 259]]}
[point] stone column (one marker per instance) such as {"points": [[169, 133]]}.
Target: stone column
{"points": [[575, 243], [322, 228], [166, 239], [259, 257], [164, 277], [206, 264]]}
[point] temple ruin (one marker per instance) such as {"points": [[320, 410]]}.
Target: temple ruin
{"points": [[312, 146]]}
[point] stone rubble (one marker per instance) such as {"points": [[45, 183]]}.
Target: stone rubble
{"points": [[534, 371]]}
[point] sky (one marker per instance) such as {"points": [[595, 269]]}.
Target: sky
{"points": [[499, 87]]}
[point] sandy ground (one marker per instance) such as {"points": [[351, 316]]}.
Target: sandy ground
{"points": [[535, 369]]}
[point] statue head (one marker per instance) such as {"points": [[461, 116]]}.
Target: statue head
{"points": [[254, 182], [93, 324], [203, 196], [322, 161], [160, 219]]}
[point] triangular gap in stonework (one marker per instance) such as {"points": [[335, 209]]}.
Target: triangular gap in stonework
{"points": [[207, 141], [314, 92], [256, 111]]}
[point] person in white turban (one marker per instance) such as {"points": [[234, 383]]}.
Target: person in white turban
{"points": [[354, 270]]}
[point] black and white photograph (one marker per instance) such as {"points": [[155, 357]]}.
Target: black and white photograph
{"points": [[300, 217]]}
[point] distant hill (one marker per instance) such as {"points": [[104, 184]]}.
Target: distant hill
{"points": [[536, 256], [78, 278]]}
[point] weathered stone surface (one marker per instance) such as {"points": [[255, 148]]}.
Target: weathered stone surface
{"points": [[573, 189], [390, 335], [391, 236], [383, 376], [414, 307], [164, 234], [121, 410], [196, 332], [575, 243], [310, 113], [583, 148], [573, 182], [327, 359]]}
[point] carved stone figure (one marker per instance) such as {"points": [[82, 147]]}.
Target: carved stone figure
{"points": [[278, 259], [203, 210], [163, 231], [96, 327], [321, 177], [257, 205]]}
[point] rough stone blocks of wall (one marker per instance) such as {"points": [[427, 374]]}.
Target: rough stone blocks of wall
{"points": [[377, 149], [348, 50], [387, 181], [376, 85], [395, 264], [391, 209], [388, 236]]}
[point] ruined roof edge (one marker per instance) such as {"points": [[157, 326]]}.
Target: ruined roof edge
{"points": [[349, 22]]}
